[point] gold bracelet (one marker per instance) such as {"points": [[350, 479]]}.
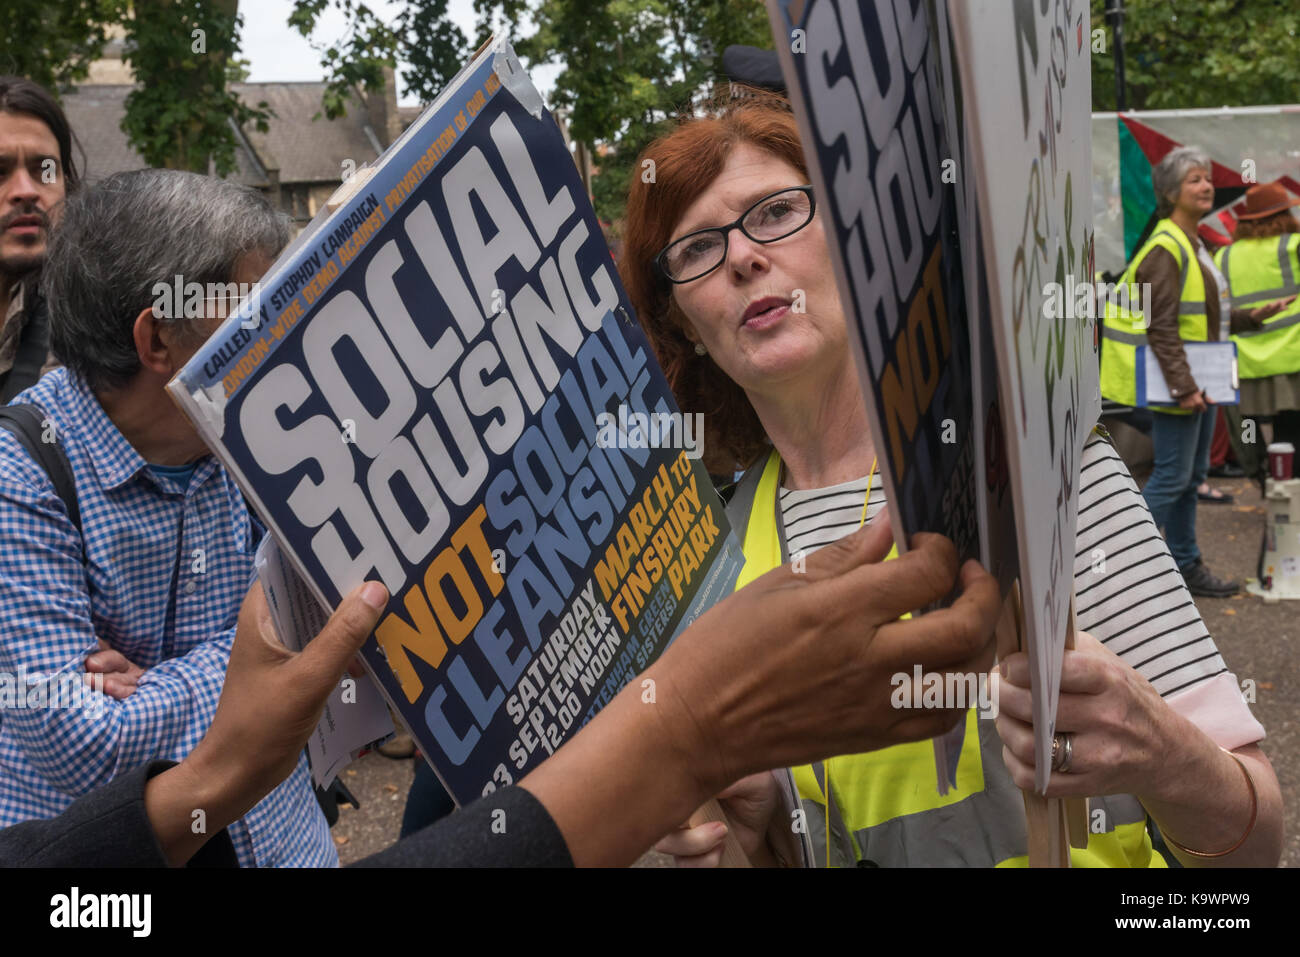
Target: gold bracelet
{"points": [[1254, 813]]}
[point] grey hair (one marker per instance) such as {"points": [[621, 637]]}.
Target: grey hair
{"points": [[1168, 175], [119, 237]]}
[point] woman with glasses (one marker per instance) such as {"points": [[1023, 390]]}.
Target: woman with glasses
{"points": [[727, 264]]}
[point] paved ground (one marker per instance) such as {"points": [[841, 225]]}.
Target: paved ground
{"points": [[1259, 641], [380, 784]]}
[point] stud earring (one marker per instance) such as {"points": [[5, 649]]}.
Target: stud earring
{"points": [[700, 350]]}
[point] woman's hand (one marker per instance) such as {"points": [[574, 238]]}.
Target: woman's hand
{"points": [[1195, 401], [1270, 309], [1119, 725], [270, 703], [275, 696], [750, 805], [1126, 740]]}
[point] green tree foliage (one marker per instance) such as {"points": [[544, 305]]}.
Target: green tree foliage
{"points": [[183, 53], [628, 67], [432, 47], [54, 43], [355, 60], [1182, 54], [179, 115], [422, 37]]}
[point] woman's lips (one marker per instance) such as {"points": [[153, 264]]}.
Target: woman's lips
{"points": [[764, 313]]}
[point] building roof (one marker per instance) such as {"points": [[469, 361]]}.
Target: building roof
{"points": [[298, 147], [301, 143], [95, 114]]}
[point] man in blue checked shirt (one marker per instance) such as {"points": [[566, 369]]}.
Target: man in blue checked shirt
{"points": [[168, 542]]}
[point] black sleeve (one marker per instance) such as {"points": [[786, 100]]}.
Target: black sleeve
{"points": [[510, 828], [106, 828]]}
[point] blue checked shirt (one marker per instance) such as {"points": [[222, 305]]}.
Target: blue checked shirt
{"points": [[166, 569]]}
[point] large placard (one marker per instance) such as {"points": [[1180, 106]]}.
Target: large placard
{"points": [[863, 83], [440, 386], [1026, 73], [999, 550]]}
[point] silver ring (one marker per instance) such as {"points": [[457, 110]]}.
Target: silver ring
{"points": [[1062, 757]]}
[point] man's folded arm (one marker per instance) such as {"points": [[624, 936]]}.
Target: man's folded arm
{"points": [[48, 632]]}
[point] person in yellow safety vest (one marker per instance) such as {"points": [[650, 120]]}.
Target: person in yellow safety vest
{"points": [[1184, 302], [1262, 264], [728, 269]]}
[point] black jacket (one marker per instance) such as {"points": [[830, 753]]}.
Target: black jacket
{"points": [[109, 828]]}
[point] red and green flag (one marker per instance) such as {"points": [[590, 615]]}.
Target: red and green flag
{"points": [[1140, 149]]}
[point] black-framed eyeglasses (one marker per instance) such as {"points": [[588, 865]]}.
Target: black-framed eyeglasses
{"points": [[775, 216]]}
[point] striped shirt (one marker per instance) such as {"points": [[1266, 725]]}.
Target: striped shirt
{"points": [[817, 517], [1129, 594], [167, 565]]}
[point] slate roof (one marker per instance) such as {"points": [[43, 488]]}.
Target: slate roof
{"points": [[304, 148], [298, 146]]}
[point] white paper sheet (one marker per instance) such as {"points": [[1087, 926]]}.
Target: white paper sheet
{"points": [[355, 715], [1213, 366]]}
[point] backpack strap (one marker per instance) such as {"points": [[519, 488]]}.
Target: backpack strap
{"points": [[26, 422]]}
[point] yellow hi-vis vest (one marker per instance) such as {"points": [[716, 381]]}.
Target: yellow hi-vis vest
{"points": [[1259, 271], [883, 807], [1124, 327]]}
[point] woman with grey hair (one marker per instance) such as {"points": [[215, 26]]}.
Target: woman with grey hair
{"points": [[1184, 300]]}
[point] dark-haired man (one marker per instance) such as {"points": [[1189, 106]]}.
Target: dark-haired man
{"points": [[36, 174]]}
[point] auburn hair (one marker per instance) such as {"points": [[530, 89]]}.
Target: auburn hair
{"points": [[671, 173], [1279, 224]]}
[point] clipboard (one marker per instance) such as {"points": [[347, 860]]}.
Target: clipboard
{"points": [[1213, 366]]}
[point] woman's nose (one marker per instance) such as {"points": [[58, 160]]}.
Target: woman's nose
{"points": [[744, 256]]}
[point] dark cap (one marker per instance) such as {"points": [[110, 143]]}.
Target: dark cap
{"points": [[753, 67]]}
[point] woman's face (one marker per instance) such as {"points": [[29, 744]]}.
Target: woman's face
{"points": [[1196, 195], [770, 312]]}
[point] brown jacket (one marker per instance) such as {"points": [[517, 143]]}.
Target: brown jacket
{"points": [[1160, 269], [19, 321]]}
